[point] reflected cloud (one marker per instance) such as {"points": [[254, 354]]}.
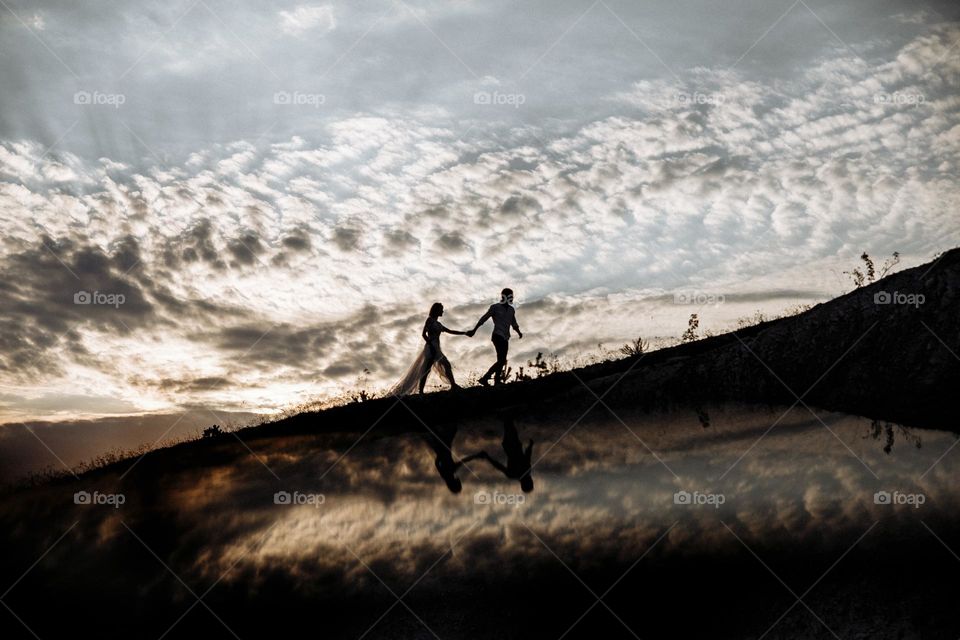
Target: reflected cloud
{"points": [[600, 493], [325, 517]]}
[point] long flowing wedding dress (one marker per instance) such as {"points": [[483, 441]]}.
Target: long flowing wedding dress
{"points": [[431, 356]]}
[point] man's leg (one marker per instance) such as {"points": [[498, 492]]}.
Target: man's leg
{"points": [[485, 378], [498, 365], [502, 345]]}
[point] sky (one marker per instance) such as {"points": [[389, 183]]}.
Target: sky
{"points": [[241, 206]]}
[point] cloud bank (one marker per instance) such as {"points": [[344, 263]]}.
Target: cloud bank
{"points": [[257, 272]]}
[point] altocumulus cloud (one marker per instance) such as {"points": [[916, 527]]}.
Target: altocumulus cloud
{"points": [[255, 272]]}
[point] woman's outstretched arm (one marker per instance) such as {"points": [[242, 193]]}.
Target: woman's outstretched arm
{"points": [[452, 331]]}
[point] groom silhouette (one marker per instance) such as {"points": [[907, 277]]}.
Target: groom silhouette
{"points": [[504, 316]]}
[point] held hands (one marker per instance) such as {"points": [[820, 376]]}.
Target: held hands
{"points": [[471, 332]]}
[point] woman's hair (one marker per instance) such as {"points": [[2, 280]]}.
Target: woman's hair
{"points": [[435, 309]]}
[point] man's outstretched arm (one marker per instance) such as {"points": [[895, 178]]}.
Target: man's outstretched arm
{"points": [[483, 319], [495, 464]]}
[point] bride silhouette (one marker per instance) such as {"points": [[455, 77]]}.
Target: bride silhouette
{"points": [[431, 357]]}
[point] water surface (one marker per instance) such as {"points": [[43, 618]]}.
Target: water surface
{"points": [[717, 518]]}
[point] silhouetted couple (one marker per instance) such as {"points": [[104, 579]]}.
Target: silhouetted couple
{"points": [[431, 357]]}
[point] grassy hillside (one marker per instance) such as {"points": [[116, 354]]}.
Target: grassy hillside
{"points": [[890, 361]]}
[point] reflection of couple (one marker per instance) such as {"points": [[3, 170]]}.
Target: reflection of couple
{"points": [[431, 357], [518, 467]]}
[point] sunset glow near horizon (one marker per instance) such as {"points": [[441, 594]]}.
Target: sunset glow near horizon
{"points": [[244, 207]]}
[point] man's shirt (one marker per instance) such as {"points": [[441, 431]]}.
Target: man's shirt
{"points": [[504, 316]]}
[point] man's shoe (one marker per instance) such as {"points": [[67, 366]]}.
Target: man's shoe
{"points": [[485, 381]]}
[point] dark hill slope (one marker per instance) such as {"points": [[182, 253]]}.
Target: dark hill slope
{"points": [[896, 362]]}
